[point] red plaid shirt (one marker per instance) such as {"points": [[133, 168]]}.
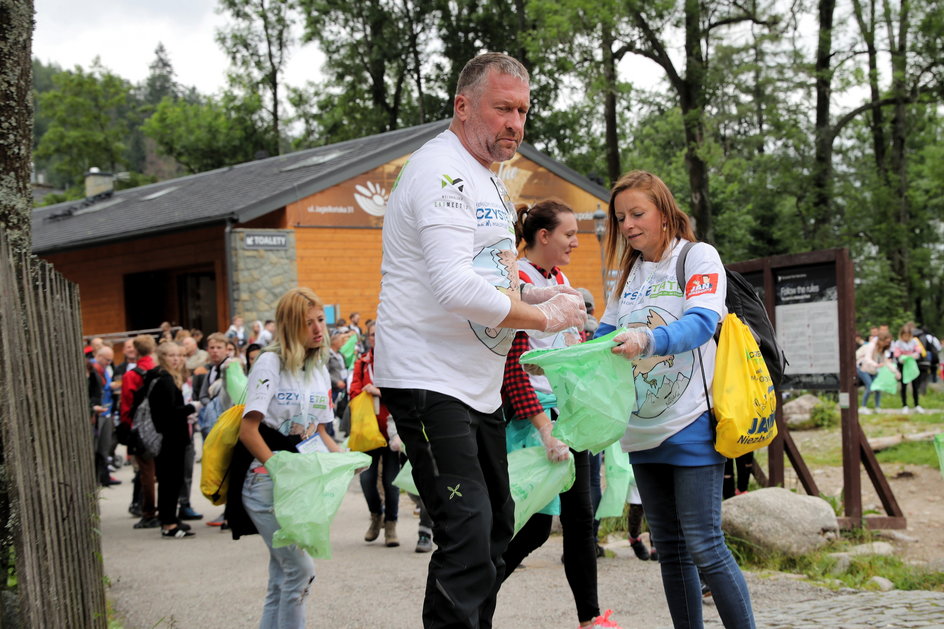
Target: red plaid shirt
{"points": [[518, 396]]}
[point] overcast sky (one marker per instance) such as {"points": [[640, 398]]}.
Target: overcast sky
{"points": [[124, 33]]}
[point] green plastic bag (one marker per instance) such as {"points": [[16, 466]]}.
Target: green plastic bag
{"points": [[308, 489], [521, 433], [236, 382], [349, 350], [909, 369], [939, 446], [594, 388], [884, 381], [535, 481], [619, 475], [404, 480]]}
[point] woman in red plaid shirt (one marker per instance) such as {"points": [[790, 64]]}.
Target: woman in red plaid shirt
{"points": [[549, 232]]}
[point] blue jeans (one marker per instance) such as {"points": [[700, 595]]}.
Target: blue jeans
{"points": [[683, 507], [390, 506], [291, 570], [867, 379]]}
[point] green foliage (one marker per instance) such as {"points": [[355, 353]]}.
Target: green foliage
{"points": [[825, 414], [206, 135], [89, 120]]}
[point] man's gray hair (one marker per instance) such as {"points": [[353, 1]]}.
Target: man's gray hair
{"points": [[476, 71]]}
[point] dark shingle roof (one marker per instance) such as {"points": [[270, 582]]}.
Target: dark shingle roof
{"points": [[239, 193]]}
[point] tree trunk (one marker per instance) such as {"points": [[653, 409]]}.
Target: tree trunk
{"points": [[899, 162], [613, 166], [867, 29], [692, 101], [816, 224], [16, 116]]}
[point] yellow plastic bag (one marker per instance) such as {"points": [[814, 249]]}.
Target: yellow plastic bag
{"points": [[218, 452], [365, 433], [744, 397]]}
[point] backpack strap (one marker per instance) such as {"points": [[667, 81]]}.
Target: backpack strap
{"points": [[680, 277]]}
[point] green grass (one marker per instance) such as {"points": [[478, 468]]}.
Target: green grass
{"points": [[818, 566], [910, 453]]}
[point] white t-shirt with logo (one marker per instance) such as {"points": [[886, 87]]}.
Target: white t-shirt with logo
{"points": [[536, 341], [669, 390], [439, 307], [294, 403]]}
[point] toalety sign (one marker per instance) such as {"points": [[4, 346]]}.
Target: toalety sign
{"points": [[265, 240]]}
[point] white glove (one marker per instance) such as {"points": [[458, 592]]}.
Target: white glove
{"points": [[556, 449], [531, 294], [395, 443], [634, 343], [563, 311]]}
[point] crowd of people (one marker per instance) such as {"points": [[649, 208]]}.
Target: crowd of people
{"points": [[881, 351], [441, 366]]}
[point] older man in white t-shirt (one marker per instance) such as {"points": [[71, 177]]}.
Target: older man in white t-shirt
{"points": [[450, 304]]}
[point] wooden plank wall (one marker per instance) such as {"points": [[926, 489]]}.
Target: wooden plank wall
{"points": [[47, 448]]}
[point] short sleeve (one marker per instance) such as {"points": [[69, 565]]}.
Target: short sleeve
{"points": [[705, 280], [263, 382]]}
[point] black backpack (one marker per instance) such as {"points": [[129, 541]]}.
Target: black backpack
{"points": [[742, 300]]}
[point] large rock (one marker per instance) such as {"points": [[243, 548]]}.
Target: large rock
{"points": [[797, 412], [777, 520]]}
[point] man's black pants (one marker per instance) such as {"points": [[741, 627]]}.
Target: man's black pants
{"points": [[461, 471]]}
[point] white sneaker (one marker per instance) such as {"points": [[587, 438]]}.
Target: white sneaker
{"points": [[865, 410], [918, 409], [904, 409]]}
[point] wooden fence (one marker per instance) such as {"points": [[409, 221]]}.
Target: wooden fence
{"points": [[48, 462]]}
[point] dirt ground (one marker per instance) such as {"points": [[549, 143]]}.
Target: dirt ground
{"points": [[919, 491]]}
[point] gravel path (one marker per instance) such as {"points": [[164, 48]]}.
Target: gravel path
{"points": [[209, 581]]}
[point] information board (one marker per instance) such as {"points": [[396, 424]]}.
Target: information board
{"points": [[807, 314]]}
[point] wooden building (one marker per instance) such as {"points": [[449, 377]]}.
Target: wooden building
{"points": [[197, 249]]}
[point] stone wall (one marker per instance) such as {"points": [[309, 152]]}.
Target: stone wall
{"points": [[264, 267]]}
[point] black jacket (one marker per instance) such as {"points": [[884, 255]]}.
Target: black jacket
{"points": [[236, 516], [168, 409]]}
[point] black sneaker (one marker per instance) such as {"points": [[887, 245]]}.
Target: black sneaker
{"points": [[176, 533], [147, 523], [599, 551], [653, 554], [135, 509], [642, 553]]}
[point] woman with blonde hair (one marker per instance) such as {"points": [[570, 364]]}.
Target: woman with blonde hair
{"points": [[668, 334], [287, 403], [170, 415]]}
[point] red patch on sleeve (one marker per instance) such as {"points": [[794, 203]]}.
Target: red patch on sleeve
{"points": [[701, 284]]}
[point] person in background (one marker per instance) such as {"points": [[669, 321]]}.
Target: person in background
{"points": [[267, 333], [277, 418], [132, 381], [869, 359], [237, 332], [170, 415], [101, 393], [669, 337], [908, 345], [198, 337], [384, 511], [194, 356]]}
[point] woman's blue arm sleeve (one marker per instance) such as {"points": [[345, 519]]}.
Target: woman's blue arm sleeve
{"points": [[693, 330], [603, 330]]}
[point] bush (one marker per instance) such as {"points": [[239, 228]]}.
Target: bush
{"points": [[825, 414]]}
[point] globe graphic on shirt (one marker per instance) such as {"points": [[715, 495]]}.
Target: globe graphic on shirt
{"points": [[660, 380]]}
